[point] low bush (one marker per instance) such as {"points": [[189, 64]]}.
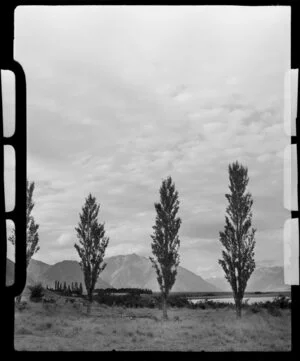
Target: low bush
{"points": [[21, 305], [274, 311], [279, 302], [36, 291], [210, 304], [138, 301], [131, 291], [122, 300], [254, 308], [173, 301], [282, 302], [154, 301]]}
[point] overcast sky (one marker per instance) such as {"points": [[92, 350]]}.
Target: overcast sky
{"points": [[121, 97]]}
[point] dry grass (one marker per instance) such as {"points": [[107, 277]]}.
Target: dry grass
{"points": [[67, 329]]}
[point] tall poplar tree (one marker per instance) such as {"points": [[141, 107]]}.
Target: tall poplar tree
{"points": [[92, 244], [238, 236], [166, 241], [32, 236]]}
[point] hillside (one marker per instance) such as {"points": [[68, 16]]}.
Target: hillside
{"points": [[10, 274], [68, 271], [36, 269], [121, 272], [263, 279], [137, 271], [267, 279], [125, 271]]}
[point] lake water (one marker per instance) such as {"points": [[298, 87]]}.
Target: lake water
{"points": [[231, 300]]}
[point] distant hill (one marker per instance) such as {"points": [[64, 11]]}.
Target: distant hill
{"points": [[10, 274], [266, 279], [132, 270], [36, 269], [124, 271], [136, 271], [68, 271], [263, 279], [219, 282]]}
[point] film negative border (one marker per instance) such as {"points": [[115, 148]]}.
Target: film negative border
{"points": [[18, 214], [18, 142]]}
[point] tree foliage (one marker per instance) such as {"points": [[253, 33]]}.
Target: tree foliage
{"points": [[166, 242], [92, 244], [36, 291], [238, 236], [32, 236]]}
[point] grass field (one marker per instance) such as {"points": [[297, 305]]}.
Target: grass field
{"points": [[64, 328]]}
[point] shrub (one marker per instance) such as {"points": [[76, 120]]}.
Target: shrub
{"points": [[114, 300], [128, 300], [21, 306], [282, 302], [177, 301], [279, 302], [173, 301], [131, 291], [211, 304], [254, 308], [274, 311], [36, 291], [201, 305], [215, 305]]}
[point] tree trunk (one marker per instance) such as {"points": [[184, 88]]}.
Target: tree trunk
{"points": [[164, 307], [90, 299], [238, 307], [90, 296]]}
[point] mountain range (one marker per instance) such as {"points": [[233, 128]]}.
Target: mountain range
{"points": [[263, 279], [124, 271], [132, 270]]}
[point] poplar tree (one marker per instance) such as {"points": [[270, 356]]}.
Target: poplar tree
{"points": [[165, 244], [238, 236], [32, 236], [92, 244]]}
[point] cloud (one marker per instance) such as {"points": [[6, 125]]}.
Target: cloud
{"points": [[127, 248], [114, 116], [65, 240], [269, 239], [264, 157]]}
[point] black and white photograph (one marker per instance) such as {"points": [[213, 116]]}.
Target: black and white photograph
{"points": [[156, 195]]}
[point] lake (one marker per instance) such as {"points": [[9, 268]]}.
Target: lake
{"points": [[231, 299]]}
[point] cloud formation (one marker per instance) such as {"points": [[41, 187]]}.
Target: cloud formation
{"points": [[121, 97]]}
